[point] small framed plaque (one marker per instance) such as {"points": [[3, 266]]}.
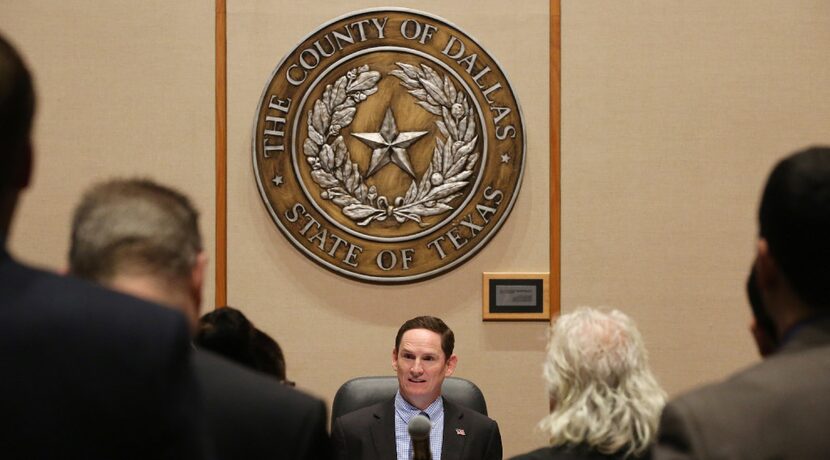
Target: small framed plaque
{"points": [[516, 296]]}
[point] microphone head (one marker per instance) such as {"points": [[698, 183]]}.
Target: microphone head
{"points": [[419, 427]]}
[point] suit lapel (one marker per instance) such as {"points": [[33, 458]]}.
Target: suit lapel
{"points": [[383, 431], [452, 446]]}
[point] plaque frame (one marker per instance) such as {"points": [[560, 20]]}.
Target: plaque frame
{"points": [[491, 310]]}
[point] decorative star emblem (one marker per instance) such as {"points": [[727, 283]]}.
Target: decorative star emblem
{"points": [[505, 158], [277, 180], [389, 145]]}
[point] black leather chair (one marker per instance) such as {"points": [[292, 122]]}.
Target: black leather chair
{"points": [[365, 391]]}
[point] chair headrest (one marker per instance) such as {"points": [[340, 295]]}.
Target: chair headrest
{"points": [[365, 391]]}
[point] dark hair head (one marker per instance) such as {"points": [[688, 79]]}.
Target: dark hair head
{"points": [[228, 332], [17, 107], [135, 226], [433, 324], [268, 355], [762, 318], [794, 219]]}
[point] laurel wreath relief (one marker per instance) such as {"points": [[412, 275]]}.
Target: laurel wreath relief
{"points": [[340, 178]]}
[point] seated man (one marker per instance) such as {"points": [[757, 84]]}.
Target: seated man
{"points": [[606, 402], [87, 372], [142, 238], [422, 358], [780, 407]]}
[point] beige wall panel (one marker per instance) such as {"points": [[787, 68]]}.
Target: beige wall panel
{"points": [[125, 89], [673, 113], [333, 329]]}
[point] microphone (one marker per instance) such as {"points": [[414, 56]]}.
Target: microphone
{"points": [[419, 428]]}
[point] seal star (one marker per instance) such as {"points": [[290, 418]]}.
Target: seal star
{"points": [[389, 145], [505, 158], [277, 180]]}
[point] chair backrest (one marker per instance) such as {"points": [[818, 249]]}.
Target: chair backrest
{"points": [[365, 391]]}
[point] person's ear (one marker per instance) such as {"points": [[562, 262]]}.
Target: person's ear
{"points": [[197, 280], [766, 268], [451, 363], [395, 359], [23, 177], [763, 342]]}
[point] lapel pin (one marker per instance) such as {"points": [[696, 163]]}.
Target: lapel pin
{"points": [[460, 432]]}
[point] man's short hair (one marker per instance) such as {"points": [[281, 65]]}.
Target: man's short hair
{"points": [[794, 219], [598, 377], [433, 324], [134, 227], [230, 333], [17, 108]]}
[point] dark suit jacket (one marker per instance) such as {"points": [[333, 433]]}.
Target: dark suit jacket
{"points": [[778, 409], [568, 453], [89, 373], [369, 433], [253, 416]]}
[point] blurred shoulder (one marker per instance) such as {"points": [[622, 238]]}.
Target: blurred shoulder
{"points": [[82, 312], [243, 385], [775, 380], [569, 453]]}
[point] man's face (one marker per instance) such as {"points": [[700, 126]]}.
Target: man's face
{"points": [[421, 366]]}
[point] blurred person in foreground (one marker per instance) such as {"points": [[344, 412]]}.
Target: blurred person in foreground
{"points": [[143, 238], [780, 407], [87, 373], [606, 402], [228, 332]]}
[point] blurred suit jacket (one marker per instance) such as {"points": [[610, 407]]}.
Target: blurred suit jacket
{"points": [[779, 408], [369, 434], [253, 416], [89, 373], [570, 452]]}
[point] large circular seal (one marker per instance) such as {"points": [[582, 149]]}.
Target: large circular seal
{"points": [[388, 146]]}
